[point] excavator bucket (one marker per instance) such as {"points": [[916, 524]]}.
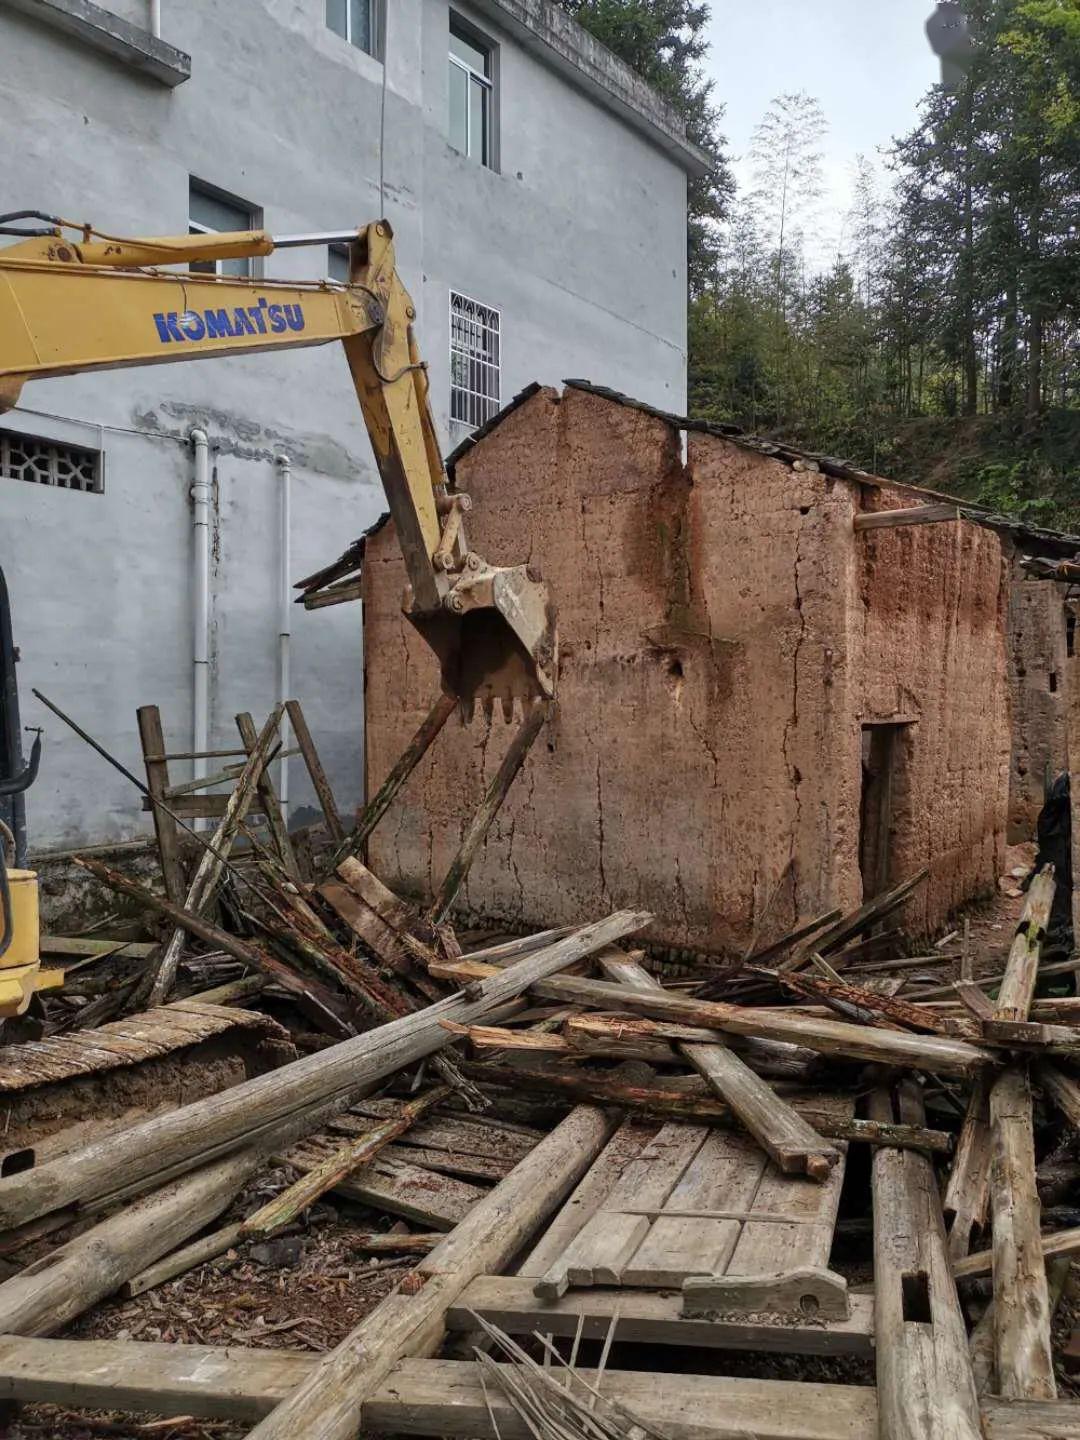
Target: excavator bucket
{"points": [[495, 637]]}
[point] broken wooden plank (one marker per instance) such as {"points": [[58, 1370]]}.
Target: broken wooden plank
{"points": [[391, 1243], [645, 1180], [85, 946], [488, 808], [676, 1246], [315, 770], [878, 1008], [974, 999], [695, 1105], [1063, 1090], [1022, 1351], [407, 762], [597, 1255], [912, 515], [936, 1053], [446, 1397], [270, 803], [652, 1317], [967, 1194], [436, 1201], [784, 1135], [627, 1143], [1062, 1242], [1022, 966], [212, 862], [924, 1377], [792, 1143], [851, 925], [329, 1404], [183, 1137], [48, 1295], [152, 739]]}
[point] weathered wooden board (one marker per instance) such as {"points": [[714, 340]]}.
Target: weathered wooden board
{"points": [[427, 1197], [653, 1317], [719, 1208], [925, 1383], [440, 1397]]}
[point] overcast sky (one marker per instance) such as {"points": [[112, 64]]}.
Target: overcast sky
{"points": [[867, 61]]}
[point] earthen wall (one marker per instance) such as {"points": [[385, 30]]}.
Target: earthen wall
{"points": [[721, 645], [1038, 676]]}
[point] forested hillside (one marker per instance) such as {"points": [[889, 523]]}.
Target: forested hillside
{"points": [[932, 330]]}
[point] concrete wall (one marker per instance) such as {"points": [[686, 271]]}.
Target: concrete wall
{"points": [[579, 239], [724, 635], [1038, 686]]}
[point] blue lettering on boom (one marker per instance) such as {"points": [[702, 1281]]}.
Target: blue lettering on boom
{"points": [[191, 326]]}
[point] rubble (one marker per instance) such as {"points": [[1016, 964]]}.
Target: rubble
{"points": [[468, 1160]]}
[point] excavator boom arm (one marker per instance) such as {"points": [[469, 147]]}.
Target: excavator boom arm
{"points": [[104, 304]]}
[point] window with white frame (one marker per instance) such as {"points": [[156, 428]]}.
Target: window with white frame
{"points": [[46, 462], [355, 21], [209, 213], [475, 376], [472, 94]]}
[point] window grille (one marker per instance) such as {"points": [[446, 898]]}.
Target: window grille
{"points": [[44, 462], [475, 378]]}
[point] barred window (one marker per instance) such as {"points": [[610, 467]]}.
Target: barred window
{"points": [[475, 380], [44, 462]]}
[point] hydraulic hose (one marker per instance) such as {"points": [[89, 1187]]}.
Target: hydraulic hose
{"points": [[26, 777]]}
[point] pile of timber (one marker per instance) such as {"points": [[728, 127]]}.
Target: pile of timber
{"points": [[797, 1054]]}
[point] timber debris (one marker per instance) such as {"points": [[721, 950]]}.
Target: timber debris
{"points": [[534, 1149]]}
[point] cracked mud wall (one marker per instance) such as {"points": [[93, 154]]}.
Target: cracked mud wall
{"points": [[1038, 671], [613, 805], [717, 633], [928, 641]]}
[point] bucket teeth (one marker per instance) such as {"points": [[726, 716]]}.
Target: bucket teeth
{"points": [[513, 707]]}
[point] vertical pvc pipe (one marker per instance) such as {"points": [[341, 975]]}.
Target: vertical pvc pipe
{"points": [[155, 18], [285, 623], [200, 587]]}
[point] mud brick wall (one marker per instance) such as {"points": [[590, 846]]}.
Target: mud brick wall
{"points": [[719, 648], [928, 638], [1038, 671]]}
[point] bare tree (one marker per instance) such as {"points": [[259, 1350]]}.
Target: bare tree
{"points": [[787, 174]]}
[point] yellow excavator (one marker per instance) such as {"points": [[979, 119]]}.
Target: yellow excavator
{"points": [[74, 299]]}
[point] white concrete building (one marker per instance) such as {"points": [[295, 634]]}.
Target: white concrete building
{"points": [[537, 190]]}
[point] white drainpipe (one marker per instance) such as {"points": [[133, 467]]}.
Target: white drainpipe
{"points": [[200, 586], [155, 18], [285, 622]]}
